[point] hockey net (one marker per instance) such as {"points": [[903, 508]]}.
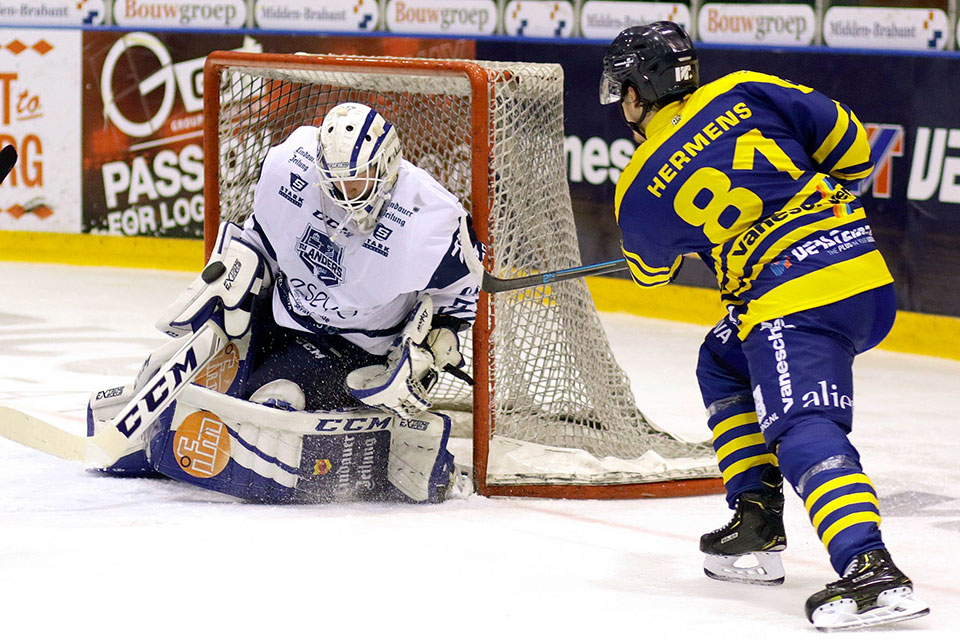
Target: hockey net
{"points": [[552, 413]]}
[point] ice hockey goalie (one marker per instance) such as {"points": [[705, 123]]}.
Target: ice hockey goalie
{"points": [[342, 297]]}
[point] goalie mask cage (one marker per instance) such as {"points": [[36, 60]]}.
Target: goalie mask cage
{"points": [[552, 413]]}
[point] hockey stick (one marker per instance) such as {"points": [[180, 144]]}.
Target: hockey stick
{"points": [[37, 434], [8, 158], [115, 438], [493, 284]]}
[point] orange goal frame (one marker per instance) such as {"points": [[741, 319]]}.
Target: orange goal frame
{"points": [[483, 420]]}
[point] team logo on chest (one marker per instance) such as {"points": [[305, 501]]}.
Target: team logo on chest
{"points": [[322, 256], [376, 242], [297, 184]]}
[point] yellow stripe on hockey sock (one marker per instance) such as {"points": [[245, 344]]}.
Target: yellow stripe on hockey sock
{"points": [[749, 440], [830, 485], [846, 522], [733, 422], [839, 503], [747, 463]]}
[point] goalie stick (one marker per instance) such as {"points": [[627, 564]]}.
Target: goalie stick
{"points": [[114, 438], [493, 284], [8, 158]]}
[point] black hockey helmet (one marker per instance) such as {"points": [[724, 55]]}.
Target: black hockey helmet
{"points": [[658, 60]]}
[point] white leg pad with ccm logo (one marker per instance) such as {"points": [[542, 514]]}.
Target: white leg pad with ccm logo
{"points": [[268, 454]]}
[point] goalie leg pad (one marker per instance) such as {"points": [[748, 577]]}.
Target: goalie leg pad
{"points": [[157, 358], [263, 454], [225, 373], [420, 465], [104, 405]]}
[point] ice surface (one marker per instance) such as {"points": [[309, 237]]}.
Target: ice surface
{"points": [[84, 556]]}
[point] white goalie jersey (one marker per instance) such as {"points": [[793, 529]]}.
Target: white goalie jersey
{"points": [[331, 279]]}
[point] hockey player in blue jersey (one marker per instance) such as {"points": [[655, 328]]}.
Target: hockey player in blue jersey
{"points": [[323, 392], [751, 173]]}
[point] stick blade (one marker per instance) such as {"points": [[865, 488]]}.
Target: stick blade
{"points": [[42, 436]]}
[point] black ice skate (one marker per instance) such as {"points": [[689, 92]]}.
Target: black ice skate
{"points": [[748, 548], [872, 591]]}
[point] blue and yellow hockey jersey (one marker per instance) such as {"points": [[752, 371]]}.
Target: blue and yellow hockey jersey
{"points": [[749, 173]]}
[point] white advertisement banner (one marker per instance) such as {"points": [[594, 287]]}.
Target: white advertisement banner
{"points": [[310, 15], [604, 19], [195, 14], [40, 116], [876, 28], [60, 13], [538, 19], [779, 24], [442, 17]]}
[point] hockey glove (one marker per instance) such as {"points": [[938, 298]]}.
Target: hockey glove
{"points": [[403, 385]]}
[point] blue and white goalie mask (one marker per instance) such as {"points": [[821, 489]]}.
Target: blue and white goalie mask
{"points": [[358, 158]]}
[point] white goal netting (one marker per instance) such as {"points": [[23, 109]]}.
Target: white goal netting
{"points": [[561, 410]]}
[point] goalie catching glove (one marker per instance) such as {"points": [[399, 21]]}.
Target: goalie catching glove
{"points": [[414, 362]]}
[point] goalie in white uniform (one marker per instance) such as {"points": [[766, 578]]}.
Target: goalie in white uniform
{"points": [[369, 290]]}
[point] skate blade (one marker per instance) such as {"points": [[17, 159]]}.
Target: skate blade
{"points": [[763, 568], [893, 605]]}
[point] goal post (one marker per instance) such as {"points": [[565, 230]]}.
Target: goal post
{"points": [[551, 414]]}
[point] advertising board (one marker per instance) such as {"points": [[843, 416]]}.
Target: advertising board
{"points": [[40, 118]]}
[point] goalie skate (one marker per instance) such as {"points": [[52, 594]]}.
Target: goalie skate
{"points": [[748, 548], [872, 592]]}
